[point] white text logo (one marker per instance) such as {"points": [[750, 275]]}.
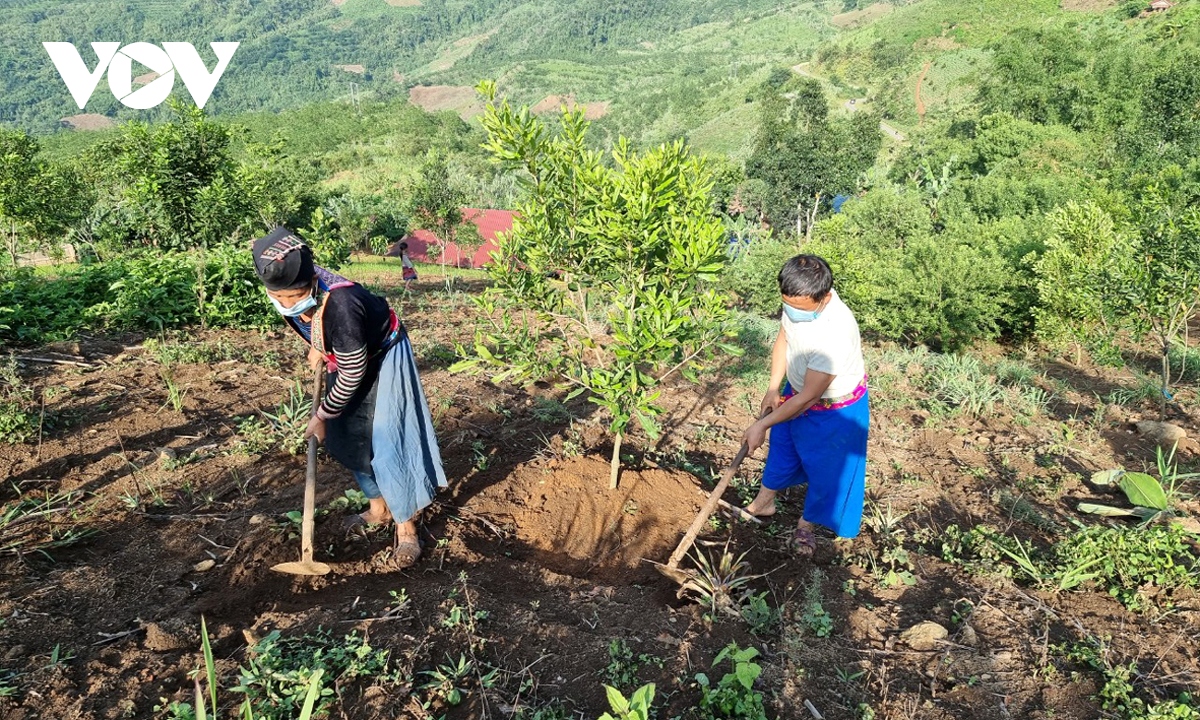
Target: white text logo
{"points": [[165, 61]]}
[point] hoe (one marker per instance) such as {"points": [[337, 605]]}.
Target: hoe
{"points": [[306, 565]]}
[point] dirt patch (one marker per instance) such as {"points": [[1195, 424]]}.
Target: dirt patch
{"points": [[403, 3], [938, 44], [921, 103], [1088, 5], [356, 69], [337, 3], [552, 104], [186, 521], [858, 18], [88, 121], [459, 98], [145, 78], [573, 524]]}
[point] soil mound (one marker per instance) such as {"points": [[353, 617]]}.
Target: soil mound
{"points": [[568, 520]]}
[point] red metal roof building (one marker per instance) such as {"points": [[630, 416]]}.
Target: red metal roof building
{"points": [[490, 224]]}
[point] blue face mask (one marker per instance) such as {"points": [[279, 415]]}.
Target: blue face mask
{"points": [[301, 306], [800, 315]]}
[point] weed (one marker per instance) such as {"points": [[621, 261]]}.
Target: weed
{"points": [[438, 355], [291, 417], [280, 671], [17, 422], [465, 618], [8, 683], [759, 615], [813, 613], [351, 500], [1018, 508], [1125, 560], [482, 459], [200, 711], [448, 681], [1119, 696], [733, 697], [623, 667], [36, 523], [637, 707], [889, 561], [721, 585], [175, 392], [1144, 389], [958, 384], [257, 435], [550, 411], [59, 657]]}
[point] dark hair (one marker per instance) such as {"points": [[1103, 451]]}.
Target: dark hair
{"points": [[403, 246], [806, 276]]}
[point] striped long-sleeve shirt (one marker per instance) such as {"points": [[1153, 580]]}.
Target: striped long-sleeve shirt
{"points": [[356, 324], [352, 371]]}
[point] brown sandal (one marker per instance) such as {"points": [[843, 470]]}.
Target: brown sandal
{"points": [[406, 550]]}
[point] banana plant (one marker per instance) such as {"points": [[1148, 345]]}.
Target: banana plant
{"points": [[1150, 496]]}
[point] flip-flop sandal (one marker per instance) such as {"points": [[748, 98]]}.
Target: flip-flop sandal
{"points": [[357, 526], [803, 542], [406, 550]]}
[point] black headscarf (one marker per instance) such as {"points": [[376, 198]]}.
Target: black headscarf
{"points": [[283, 261]]}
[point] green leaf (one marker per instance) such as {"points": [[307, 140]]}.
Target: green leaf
{"points": [[1143, 491], [616, 700], [1104, 510], [747, 673]]}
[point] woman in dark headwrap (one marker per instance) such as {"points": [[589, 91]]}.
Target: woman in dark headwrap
{"points": [[373, 418]]}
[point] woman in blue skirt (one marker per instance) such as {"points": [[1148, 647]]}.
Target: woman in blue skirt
{"points": [[373, 417], [818, 423]]}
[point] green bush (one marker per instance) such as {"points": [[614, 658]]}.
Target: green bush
{"points": [[753, 275], [937, 291], [150, 292]]}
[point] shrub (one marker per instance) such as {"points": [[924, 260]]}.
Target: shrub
{"points": [[752, 277], [153, 292]]}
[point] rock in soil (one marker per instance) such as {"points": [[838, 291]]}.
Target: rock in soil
{"points": [[1161, 433], [924, 636]]}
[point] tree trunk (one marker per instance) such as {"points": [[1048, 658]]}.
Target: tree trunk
{"points": [[1166, 381], [615, 468]]}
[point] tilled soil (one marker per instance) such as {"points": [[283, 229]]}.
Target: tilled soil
{"points": [[184, 523]]}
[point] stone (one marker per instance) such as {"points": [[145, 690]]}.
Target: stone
{"points": [[205, 565], [258, 520], [924, 635], [968, 637], [1162, 434]]}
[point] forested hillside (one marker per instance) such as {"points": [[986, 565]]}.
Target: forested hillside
{"points": [[634, 53]]}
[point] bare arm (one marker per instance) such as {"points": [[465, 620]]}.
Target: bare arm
{"points": [[778, 372]]}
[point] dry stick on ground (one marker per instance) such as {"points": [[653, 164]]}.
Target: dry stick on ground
{"points": [[56, 361]]}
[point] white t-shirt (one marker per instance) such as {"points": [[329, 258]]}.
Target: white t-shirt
{"points": [[829, 344]]}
